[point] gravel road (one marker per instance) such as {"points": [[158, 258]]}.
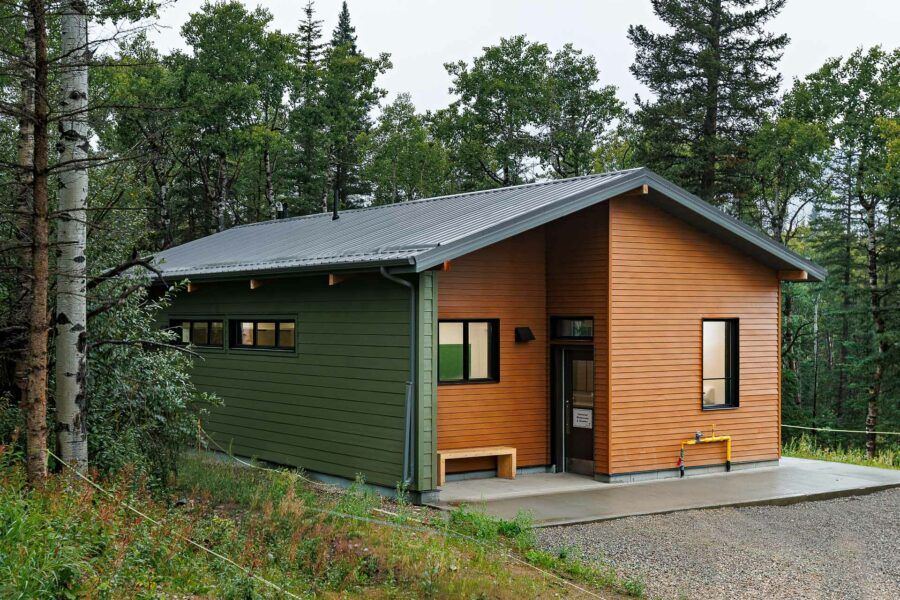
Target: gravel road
{"points": [[846, 548]]}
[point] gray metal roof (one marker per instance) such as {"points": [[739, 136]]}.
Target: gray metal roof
{"points": [[421, 234]]}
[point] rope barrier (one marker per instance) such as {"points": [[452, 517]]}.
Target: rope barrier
{"points": [[841, 430], [424, 528], [210, 551]]}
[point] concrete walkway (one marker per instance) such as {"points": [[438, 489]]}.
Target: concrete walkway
{"points": [[562, 499]]}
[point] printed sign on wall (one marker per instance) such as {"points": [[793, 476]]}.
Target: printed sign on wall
{"points": [[583, 418]]}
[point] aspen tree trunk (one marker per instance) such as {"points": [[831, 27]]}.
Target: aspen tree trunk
{"points": [[34, 400], [24, 206], [71, 301]]}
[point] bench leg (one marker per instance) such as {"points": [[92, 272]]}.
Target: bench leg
{"points": [[506, 466], [442, 468]]}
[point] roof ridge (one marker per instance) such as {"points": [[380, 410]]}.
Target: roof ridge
{"points": [[448, 196]]}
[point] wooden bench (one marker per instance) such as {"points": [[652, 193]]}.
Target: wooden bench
{"points": [[506, 460]]}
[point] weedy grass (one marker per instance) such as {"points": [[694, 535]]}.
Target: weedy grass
{"points": [[67, 540], [806, 446]]}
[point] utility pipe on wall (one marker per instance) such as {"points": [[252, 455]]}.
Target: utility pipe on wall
{"points": [[411, 380]]}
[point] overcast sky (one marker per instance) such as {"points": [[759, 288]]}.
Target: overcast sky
{"points": [[421, 35]]}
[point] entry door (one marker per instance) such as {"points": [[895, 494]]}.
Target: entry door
{"points": [[575, 387]]}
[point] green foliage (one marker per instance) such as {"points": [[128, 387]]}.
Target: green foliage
{"points": [[67, 540], [817, 448], [713, 77], [403, 160], [144, 409]]}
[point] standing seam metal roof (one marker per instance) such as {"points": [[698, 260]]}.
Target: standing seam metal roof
{"points": [[423, 233]]}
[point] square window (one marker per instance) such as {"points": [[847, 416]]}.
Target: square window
{"points": [[468, 351], [265, 333]]}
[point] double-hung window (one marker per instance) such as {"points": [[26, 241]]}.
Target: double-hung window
{"points": [[205, 333], [720, 363], [468, 351]]}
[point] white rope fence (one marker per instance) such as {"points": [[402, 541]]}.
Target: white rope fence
{"points": [[210, 551], [840, 430], [422, 528]]}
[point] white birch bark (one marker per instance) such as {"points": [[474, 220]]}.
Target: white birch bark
{"points": [[71, 301]]}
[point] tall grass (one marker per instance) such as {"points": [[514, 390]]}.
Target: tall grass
{"points": [[67, 540], [806, 446]]}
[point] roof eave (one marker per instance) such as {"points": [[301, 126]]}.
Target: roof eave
{"points": [[373, 265]]}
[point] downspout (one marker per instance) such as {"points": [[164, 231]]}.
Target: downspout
{"points": [[410, 383]]}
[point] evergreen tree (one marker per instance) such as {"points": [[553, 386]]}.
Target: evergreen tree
{"points": [[306, 121], [713, 80], [344, 33], [349, 94]]}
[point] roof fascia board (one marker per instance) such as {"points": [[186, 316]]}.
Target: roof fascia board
{"points": [[523, 223], [734, 226], [285, 272]]}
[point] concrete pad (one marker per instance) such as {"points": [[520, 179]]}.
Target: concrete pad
{"points": [[562, 499]]}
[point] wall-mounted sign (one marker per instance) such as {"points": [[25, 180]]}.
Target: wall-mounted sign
{"points": [[583, 418]]}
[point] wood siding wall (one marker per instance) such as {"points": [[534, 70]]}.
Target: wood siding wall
{"points": [[504, 281], [666, 277], [577, 286], [336, 405]]}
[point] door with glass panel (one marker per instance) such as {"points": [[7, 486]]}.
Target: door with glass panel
{"points": [[574, 384]]}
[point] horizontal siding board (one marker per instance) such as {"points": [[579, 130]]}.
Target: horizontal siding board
{"points": [[666, 277], [336, 404]]}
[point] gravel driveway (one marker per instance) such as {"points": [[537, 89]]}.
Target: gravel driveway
{"points": [[845, 548]]}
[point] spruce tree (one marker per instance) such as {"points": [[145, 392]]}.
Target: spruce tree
{"points": [[306, 119], [349, 94], [714, 79], [344, 33]]}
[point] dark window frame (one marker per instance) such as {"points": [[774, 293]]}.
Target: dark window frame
{"points": [[555, 320], [493, 352], [234, 334], [732, 364], [178, 323]]}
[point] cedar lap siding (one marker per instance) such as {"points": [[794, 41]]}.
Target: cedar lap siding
{"points": [[644, 259], [666, 278]]}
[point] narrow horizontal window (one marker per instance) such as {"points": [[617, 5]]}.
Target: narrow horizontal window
{"points": [[468, 351], [720, 363], [569, 328], [199, 332], [263, 333]]}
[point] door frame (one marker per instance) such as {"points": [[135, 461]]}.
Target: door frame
{"points": [[557, 404]]}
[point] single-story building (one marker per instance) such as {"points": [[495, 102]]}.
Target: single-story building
{"points": [[586, 325]]}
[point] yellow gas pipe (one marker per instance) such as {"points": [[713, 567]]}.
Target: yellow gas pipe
{"points": [[700, 439]]}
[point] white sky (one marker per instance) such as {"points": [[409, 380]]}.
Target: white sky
{"points": [[421, 35]]}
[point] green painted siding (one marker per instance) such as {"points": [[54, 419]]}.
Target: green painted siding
{"points": [[426, 434], [336, 403]]}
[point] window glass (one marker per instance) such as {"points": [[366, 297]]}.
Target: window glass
{"points": [[200, 333], [714, 349], [479, 350], [286, 334], [720, 363], [573, 328], [246, 333], [216, 330], [450, 351], [265, 333]]}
